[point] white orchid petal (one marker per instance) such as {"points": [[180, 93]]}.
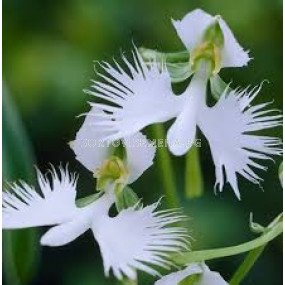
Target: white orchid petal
{"points": [[65, 233], [88, 146], [145, 97], [176, 277], [181, 135], [233, 55], [134, 240], [192, 28], [23, 207], [140, 155], [228, 126], [207, 277], [211, 277]]}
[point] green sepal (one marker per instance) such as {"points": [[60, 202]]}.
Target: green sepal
{"points": [[179, 72], [218, 86], [214, 35], [126, 198], [177, 63], [150, 55], [83, 202], [191, 280]]}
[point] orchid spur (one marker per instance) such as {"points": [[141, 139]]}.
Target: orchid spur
{"points": [[141, 95]]}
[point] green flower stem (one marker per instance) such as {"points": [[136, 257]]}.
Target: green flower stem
{"points": [[165, 167], [202, 255], [193, 174], [128, 282], [173, 57], [247, 264]]}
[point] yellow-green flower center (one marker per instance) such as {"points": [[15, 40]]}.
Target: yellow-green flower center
{"points": [[112, 170]]}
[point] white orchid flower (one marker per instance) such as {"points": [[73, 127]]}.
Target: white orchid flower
{"points": [[201, 272], [191, 30], [135, 239], [92, 150], [142, 95]]}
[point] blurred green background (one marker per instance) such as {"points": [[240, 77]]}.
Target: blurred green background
{"points": [[48, 53]]}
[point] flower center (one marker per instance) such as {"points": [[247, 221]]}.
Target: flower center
{"points": [[112, 170], [209, 50]]}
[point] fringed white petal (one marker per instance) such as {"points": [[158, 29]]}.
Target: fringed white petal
{"points": [[228, 127], [140, 155], [181, 135], [88, 146], [136, 97], [207, 277], [138, 239], [192, 28], [23, 207]]}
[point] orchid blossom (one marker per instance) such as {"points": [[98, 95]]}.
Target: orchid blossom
{"points": [[150, 239], [200, 274], [92, 151], [142, 95]]}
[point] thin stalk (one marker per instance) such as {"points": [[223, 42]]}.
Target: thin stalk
{"points": [[247, 264], [165, 168], [129, 282], [193, 174], [203, 255]]}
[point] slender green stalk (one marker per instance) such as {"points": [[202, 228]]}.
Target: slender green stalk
{"points": [[247, 264], [202, 255], [126, 281], [165, 168], [193, 174]]}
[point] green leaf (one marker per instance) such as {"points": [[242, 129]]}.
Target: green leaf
{"points": [[218, 86], [21, 247]]}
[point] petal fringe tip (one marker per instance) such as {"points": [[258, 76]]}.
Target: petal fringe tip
{"points": [[135, 97], [230, 128], [23, 207]]}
